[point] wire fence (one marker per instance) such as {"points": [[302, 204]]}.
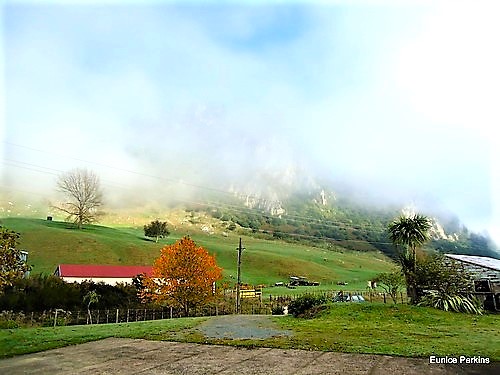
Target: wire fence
{"points": [[251, 306], [368, 296], [59, 317]]}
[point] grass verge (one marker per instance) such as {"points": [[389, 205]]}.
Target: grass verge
{"points": [[398, 330], [30, 340]]}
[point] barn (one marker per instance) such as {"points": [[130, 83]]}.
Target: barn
{"points": [[481, 267], [107, 274], [486, 273]]}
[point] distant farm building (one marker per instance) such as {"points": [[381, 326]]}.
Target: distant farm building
{"points": [[110, 275], [481, 267], [486, 273]]}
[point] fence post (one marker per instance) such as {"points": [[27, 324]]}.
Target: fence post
{"points": [[384, 299], [171, 312], [55, 318], [128, 312], [117, 312], [107, 316]]}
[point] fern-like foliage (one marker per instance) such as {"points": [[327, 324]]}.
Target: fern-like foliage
{"points": [[448, 302]]}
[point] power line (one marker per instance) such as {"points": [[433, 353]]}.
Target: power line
{"points": [[219, 205], [322, 222], [289, 217], [171, 180], [39, 168]]}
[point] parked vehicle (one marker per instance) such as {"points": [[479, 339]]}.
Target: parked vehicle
{"points": [[347, 297], [301, 281]]}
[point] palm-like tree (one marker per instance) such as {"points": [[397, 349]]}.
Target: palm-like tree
{"points": [[408, 233]]}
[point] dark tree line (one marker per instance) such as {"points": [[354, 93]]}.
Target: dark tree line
{"points": [[44, 292]]}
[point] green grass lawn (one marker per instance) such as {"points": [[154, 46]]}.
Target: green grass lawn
{"points": [[263, 262], [30, 340], [399, 330]]}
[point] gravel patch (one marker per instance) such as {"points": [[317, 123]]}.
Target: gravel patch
{"points": [[241, 327]]}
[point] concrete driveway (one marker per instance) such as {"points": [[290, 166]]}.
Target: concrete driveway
{"points": [[128, 356]]}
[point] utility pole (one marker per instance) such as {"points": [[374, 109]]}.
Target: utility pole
{"points": [[240, 249]]}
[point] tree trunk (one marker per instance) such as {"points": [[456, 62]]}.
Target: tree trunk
{"points": [[411, 291]]}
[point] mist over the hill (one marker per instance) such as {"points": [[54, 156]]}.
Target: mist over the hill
{"points": [[167, 102]]}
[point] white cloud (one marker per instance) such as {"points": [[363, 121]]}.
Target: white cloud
{"points": [[383, 96], [450, 71]]}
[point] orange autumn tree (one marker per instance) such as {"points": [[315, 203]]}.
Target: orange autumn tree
{"points": [[183, 276]]}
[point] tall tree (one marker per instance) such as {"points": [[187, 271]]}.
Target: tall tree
{"points": [[83, 192], [156, 229], [12, 266], [183, 276], [408, 233]]}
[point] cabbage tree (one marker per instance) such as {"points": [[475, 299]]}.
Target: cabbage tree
{"points": [[408, 233]]}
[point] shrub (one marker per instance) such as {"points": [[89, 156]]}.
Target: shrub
{"points": [[391, 282], [448, 302], [305, 305], [9, 319], [278, 310], [8, 324]]}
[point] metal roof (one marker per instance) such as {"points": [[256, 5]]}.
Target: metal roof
{"points": [[487, 262], [92, 270]]}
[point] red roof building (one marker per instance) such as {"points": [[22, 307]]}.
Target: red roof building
{"points": [[100, 273]]}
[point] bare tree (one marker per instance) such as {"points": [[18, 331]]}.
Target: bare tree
{"points": [[82, 188]]}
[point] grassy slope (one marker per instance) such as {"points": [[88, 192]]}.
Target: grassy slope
{"points": [[264, 262]]}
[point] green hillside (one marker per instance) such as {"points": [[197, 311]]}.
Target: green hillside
{"points": [[50, 243], [347, 223]]}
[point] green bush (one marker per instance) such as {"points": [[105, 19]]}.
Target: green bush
{"points": [[306, 305], [7, 324], [278, 310], [448, 302], [10, 319]]}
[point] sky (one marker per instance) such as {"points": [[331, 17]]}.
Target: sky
{"points": [[397, 99]]}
